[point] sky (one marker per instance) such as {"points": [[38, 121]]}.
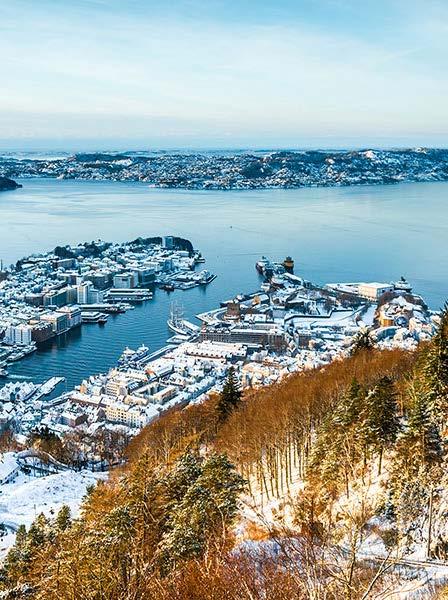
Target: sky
{"points": [[145, 74]]}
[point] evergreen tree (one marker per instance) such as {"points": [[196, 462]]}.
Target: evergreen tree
{"points": [[363, 341], [381, 424], [17, 560], [434, 371], [38, 533], [205, 510], [63, 518], [350, 405], [187, 471], [423, 435], [230, 397]]}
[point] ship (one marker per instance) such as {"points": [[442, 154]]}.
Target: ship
{"points": [[206, 277], [130, 358], [175, 322], [260, 265], [3, 372], [402, 285], [178, 325], [168, 287]]}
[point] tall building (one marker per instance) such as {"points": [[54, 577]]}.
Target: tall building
{"points": [[18, 334], [95, 296], [125, 280], [73, 314], [59, 321], [168, 242], [83, 292], [56, 297]]}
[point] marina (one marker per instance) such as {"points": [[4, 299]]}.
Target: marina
{"points": [[48, 295]]}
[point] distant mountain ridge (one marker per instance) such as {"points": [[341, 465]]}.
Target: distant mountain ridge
{"points": [[277, 169], [7, 184]]}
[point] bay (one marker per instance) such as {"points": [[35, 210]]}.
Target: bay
{"points": [[372, 233]]}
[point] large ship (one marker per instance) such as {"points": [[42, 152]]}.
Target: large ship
{"points": [[268, 268], [402, 285], [260, 265], [131, 358], [179, 325]]}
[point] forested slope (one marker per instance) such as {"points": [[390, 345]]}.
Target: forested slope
{"points": [[297, 490]]}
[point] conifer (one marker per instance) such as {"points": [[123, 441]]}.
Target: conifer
{"points": [[435, 371], [63, 518], [363, 341], [230, 397], [381, 424]]}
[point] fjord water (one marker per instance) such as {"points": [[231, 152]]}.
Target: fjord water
{"points": [[373, 233]]}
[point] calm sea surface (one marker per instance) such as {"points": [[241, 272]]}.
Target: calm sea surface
{"points": [[334, 234]]}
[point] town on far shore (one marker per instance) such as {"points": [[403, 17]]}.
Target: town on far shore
{"points": [[289, 324]]}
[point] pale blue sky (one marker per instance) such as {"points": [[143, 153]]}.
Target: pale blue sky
{"points": [[223, 73]]}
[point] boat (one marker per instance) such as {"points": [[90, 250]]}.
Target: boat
{"points": [[29, 349], [176, 318], [130, 358], [402, 285], [15, 356], [90, 317], [260, 265], [206, 277], [168, 287], [3, 373]]}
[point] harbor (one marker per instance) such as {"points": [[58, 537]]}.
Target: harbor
{"points": [[325, 242], [50, 295], [289, 324]]}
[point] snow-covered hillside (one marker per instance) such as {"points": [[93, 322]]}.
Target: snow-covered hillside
{"points": [[26, 496]]}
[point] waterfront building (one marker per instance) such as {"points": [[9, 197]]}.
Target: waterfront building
{"points": [[125, 280], [73, 314], [83, 292], [58, 321], [95, 296], [19, 334], [373, 291], [146, 276], [41, 331]]}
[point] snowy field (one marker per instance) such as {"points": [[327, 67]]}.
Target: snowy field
{"points": [[27, 496]]}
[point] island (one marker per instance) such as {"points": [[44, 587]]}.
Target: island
{"points": [[241, 169], [7, 184]]}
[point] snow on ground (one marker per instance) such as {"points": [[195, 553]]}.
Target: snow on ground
{"points": [[27, 496]]}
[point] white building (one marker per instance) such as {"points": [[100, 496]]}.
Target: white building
{"points": [[373, 291], [125, 280], [132, 416], [19, 334], [83, 292]]}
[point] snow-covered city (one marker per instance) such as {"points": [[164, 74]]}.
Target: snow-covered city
{"points": [[288, 325]]}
